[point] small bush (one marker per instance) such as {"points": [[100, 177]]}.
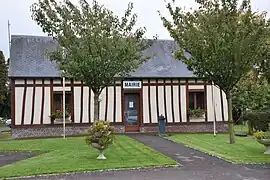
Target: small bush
{"points": [[100, 135], [259, 120]]}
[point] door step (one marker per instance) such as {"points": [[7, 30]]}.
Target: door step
{"points": [[132, 132]]}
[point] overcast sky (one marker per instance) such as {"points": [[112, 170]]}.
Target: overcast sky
{"points": [[18, 13]]}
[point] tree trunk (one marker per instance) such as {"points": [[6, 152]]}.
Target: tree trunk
{"points": [[96, 106], [250, 128], [230, 120]]}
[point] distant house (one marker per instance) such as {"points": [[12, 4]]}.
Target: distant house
{"points": [[162, 85]]}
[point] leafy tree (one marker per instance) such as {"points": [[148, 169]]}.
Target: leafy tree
{"points": [[95, 45], [5, 106], [3, 78], [262, 66], [225, 40], [252, 93], [263, 69]]}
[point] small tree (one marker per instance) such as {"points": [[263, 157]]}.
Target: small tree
{"points": [[95, 44], [224, 41], [3, 78]]}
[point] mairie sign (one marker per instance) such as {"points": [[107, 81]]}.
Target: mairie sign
{"points": [[132, 84]]}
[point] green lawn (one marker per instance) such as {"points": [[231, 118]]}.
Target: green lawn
{"points": [[73, 154], [245, 150]]}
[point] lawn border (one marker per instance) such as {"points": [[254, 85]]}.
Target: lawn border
{"points": [[97, 171], [213, 155]]}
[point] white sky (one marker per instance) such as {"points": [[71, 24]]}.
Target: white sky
{"points": [[19, 15]]}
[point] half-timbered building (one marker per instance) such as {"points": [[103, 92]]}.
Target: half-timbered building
{"points": [[161, 86]]}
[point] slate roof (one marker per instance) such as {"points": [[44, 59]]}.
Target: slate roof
{"points": [[28, 59]]}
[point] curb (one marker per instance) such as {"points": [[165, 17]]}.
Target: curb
{"points": [[94, 171]]}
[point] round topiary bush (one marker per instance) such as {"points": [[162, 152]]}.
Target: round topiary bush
{"points": [[100, 136]]}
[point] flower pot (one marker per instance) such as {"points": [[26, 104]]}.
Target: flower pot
{"points": [[241, 134], [97, 146], [266, 143], [60, 120], [197, 118], [101, 155]]}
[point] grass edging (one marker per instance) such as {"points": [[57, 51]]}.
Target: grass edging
{"points": [[214, 155], [96, 171]]}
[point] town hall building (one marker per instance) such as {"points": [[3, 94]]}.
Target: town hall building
{"points": [[161, 86]]}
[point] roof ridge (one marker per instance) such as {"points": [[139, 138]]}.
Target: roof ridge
{"points": [[45, 36], [29, 36]]}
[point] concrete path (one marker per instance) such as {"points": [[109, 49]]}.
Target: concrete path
{"points": [[197, 161], [194, 166], [12, 157]]}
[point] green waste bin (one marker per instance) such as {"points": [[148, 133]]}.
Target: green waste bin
{"points": [[161, 124]]}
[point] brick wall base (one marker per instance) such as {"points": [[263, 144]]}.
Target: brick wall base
{"points": [[189, 128], [18, 133], [31, 132]]}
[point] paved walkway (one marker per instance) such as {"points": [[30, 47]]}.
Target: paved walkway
{"points": [[189, 158], [195, 165], [12, 157], [197, 161]]}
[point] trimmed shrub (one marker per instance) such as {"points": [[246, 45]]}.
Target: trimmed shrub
{"points": [[259, 120], [100, 135]]}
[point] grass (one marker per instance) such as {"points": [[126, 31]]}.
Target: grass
{"points": [[73, 154], [244, 150], [5, 135]]}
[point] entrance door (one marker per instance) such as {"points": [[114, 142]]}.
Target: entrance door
{"points": [[131, 113]]}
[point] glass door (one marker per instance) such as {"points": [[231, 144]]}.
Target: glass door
{"points": [[131, 112]]}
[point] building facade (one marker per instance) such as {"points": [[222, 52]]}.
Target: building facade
{"points": [[161, 86]]}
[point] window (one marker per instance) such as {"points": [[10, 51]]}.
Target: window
{"points": [[58, 101], [196, 100]]}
